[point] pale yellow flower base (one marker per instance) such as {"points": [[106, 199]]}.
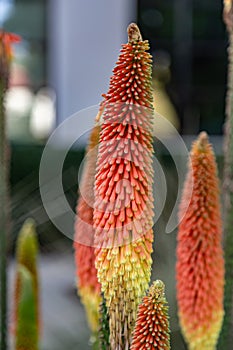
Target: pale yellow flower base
{"points": [[91, 301], [124, 273], [205, 337]]}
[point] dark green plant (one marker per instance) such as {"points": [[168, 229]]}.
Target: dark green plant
{"points": [[104, 331]]}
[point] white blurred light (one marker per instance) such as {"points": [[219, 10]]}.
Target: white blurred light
{"points": [[19, 101], [43, 114]]}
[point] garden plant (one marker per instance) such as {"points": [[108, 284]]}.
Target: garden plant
{"points": [[113, 230]]}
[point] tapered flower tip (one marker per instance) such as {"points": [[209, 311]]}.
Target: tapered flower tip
{"points": [[27, 242], [134, 33], [202, 140], [201, 146], [157, 289], [28, 225]]}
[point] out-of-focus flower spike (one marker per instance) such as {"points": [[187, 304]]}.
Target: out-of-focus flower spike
{"points": [[6, 53], [123, 213], [200, 263], [87, 283], [26, 333], [152, 324], [6, 42]]}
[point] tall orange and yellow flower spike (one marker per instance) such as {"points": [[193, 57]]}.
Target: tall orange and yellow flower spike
{"points": [[123, 213], [200, 263], [152, 325], [87, 283]]}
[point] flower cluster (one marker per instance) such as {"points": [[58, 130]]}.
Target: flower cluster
{"points": [[123, 210], [152, 325], [200, 264]]}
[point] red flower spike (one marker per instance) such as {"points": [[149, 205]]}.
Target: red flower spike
{"points": [[200, 264], [88, 286], [6, 42], [123, 210], [152, 325]]}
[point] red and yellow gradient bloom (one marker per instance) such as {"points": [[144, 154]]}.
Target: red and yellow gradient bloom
{"points": [[200, 264], [152, 325], [6, 42], [123, 210], [88, 286]]}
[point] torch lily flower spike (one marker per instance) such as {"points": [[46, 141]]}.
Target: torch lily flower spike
{"points": [[200, 264], [123, 212], [152, 324], [87, 283]]}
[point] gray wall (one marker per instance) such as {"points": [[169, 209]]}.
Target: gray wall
{"points": [[85, 37]]}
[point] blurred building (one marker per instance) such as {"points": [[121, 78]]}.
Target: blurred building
{"points": [[73, 45]]}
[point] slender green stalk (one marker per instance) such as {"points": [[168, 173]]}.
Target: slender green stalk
{"points": [[104, 331], [3, 202], [226, 338], [27, 337], [26, 313]]}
